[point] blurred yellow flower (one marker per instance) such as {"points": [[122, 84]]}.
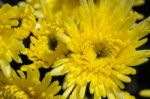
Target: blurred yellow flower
{"points": [[10, 47], [14, 27], [103, 42], [28, 86]]}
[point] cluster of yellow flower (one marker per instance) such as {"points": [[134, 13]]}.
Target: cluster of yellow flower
{"points": [[92, 42]]}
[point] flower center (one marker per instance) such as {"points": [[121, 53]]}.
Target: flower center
{"points": [[12, 92], [53, 43], [104, 49]]}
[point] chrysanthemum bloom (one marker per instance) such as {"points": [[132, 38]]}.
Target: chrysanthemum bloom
{"points": [[5, 31], [103, 43], [45, 48], [28, 86], [145, 93], [13, 21]]}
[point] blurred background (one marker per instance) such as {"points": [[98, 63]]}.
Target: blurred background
{"points": [[142, 79]]}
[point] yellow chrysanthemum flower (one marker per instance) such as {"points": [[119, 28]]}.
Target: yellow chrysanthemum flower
{"points": [[103, 42], [45, 51], [45, 48], [28, 86], [45, 38], [14, 27], [145, 93], [10, 47]]}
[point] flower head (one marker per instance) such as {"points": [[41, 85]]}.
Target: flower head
{"points": [[44, 37], [14, 27], [103, 42], [45, 48], [9, 47], [50, 51], [28, 86]]}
